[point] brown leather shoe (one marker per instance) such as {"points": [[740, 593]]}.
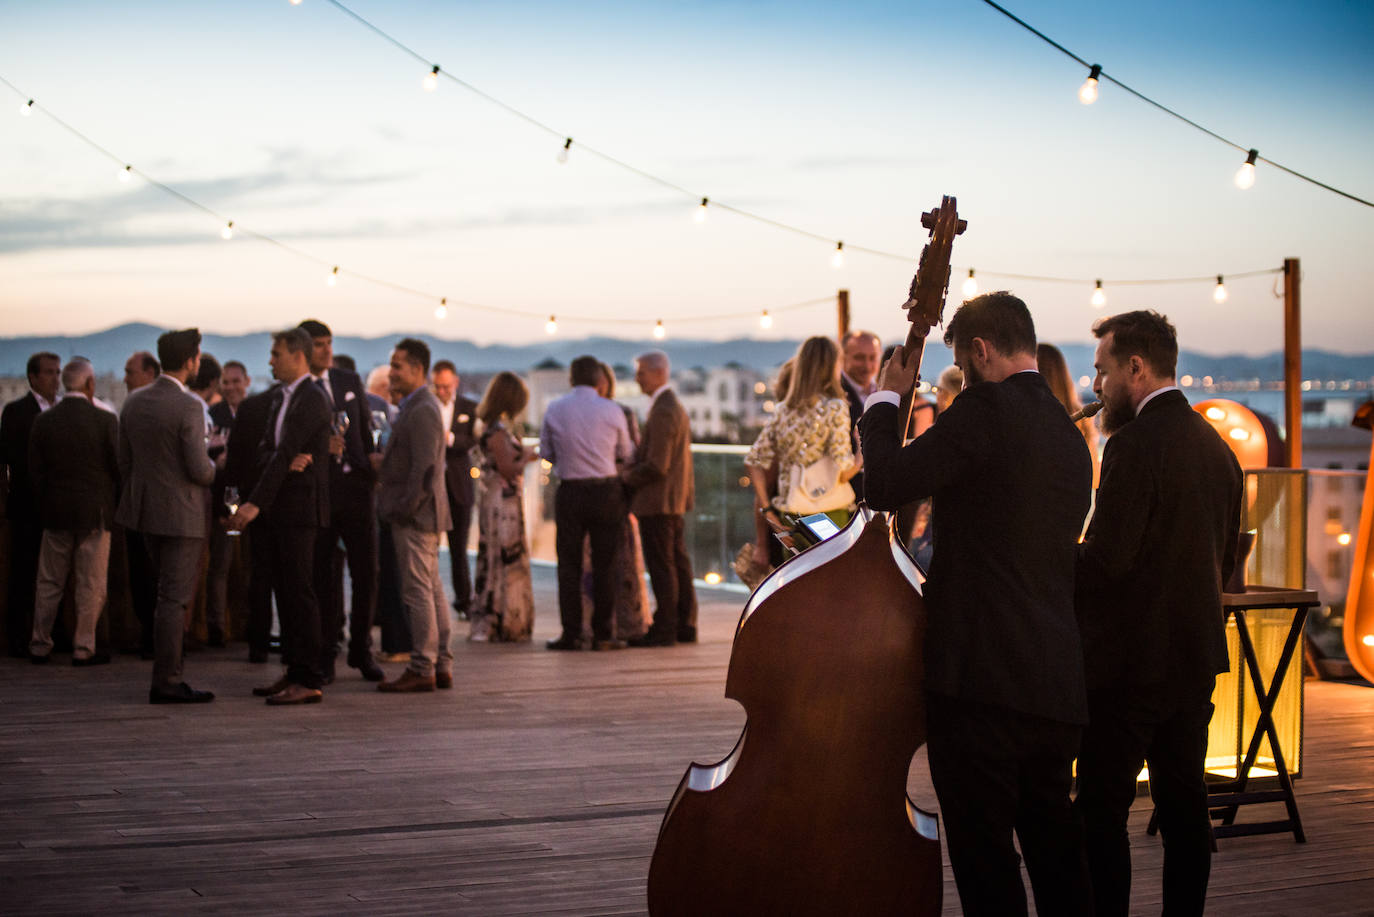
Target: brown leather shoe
{"points": [[275, 687], [443, 680], [295, 694], [408, 683]]}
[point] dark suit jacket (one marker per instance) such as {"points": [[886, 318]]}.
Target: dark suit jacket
{"points": [[221, 415], [74, 466], [457, 460], [661, 476], [350, 492], [1161, 543], [1011, 481], [15, 423], [296, 498], [242, 460], [856, 411], [412, 489]]}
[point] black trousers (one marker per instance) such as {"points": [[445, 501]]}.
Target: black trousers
{"points": [[583, 508], [358, 533], [293, 580], [997, 771], [26, 540], [142, 587], [260, 550], [391, 613], [458, 554], [670, 573], [1113, 750]]}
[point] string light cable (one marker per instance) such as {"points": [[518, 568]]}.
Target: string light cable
{"points": [[231, 228], [1097, 73]]}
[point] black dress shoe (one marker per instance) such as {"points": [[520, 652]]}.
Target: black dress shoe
{"points": [[327, 670], [39, 660], [686, 635], [181, 694], [368, 669], [653, 639], [100, 658], [564, 643]]}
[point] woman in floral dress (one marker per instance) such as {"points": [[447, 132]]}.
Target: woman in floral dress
{"points": [[504, 610]]}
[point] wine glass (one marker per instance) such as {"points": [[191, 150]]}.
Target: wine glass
{"points": [[339, 426], [381, 426], [231, 503]]}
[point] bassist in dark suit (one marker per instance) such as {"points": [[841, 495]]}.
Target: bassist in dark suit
{"points": [[1011, 478], [1150, 571]]}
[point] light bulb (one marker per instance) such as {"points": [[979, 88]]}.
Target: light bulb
{"points": [[1219, 294], [563, 153], [551, 326], [970, 285], [700, 215], [1087, 93], [1099, 298], [27, 108], [659, 331], [837, 260], [333, 276], [125, 172], [1245, 175], [765, 320], [227, 232], [441, 310], [295, 2], [431, 80], [1343, 539]]}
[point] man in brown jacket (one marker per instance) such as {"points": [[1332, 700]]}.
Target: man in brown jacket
{"points": [[663, 486]]}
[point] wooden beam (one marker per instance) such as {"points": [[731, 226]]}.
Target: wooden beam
{"points": [[1292, 361], [842, 306]]}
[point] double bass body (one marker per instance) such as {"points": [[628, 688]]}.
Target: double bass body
{"points": [[809, 814]]}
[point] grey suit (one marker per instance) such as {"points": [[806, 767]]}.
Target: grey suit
{"points": [[414, 501], [167, 474]]}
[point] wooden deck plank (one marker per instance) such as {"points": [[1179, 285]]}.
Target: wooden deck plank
{"points": [[537, 786]]}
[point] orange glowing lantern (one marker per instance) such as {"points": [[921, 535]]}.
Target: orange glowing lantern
{"points": [[1241, 429]]}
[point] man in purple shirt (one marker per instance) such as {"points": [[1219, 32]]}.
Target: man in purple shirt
{"points": [[585, 436]]}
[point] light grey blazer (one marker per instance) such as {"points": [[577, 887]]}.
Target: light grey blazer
{"points": [[412, 478], [163, 462]]}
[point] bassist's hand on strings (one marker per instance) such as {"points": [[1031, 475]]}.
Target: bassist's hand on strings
{"points": [[899, 374]]}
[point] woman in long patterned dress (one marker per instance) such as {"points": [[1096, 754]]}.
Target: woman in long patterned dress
{"points": [[504, 611]]}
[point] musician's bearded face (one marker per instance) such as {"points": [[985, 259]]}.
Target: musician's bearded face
{"points": [[1112, 385], [963, 358]]}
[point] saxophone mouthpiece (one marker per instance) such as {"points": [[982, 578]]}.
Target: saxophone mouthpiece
{"points": [[1086, 411]]}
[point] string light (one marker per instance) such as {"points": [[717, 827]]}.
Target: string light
{"points": [[1087, 93], [563, 153], [441, 311], [431, 80], [1099, 298], [333, 276], [227, 232], [551, 326], [970, 287], [27, 108], [1245, 175], [125, 172], [765, 320], [1219, 294], [659, 331], [700, 215], [837, 260], [295, 2]]}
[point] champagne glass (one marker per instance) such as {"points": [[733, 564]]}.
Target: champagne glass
{"points": [[381, 426], [231, 503], [339, 426]]}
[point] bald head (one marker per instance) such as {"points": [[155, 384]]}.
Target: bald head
{"points": [[79, 376]]}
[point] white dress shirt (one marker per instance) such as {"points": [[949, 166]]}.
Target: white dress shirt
{"points": [[584, 435], [286, 392]]}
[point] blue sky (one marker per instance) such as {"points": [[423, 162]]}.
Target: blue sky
{"points": [[843, 119]]}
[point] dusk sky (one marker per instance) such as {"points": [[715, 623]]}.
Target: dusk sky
{"points": [[843, 119]]}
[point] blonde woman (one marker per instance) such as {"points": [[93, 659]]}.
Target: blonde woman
{"points": [[504, 610], [1055, 370], [811, 422]]}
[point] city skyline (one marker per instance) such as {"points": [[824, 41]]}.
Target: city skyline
{"points": [[303, 125]]}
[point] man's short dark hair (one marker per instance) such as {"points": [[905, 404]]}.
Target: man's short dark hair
{"points": [[296, 340], [150, 363], [177, 348], [36, 361], [416, 351], [235, 364], [442, 366], [315, 328], [208, 374], [585, 370], [1000, 318], [344, 361], [1143, 333]]}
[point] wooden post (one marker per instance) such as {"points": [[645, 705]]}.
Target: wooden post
{"points": [[1292, 360], [842, 304]]}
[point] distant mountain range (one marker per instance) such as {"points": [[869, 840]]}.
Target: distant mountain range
{"points": [[110, 348]]}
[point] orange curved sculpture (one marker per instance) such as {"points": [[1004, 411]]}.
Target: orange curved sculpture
{"points": [[1358, 631], [1240, 428]]}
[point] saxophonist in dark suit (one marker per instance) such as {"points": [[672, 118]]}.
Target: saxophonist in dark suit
{"points": [[1150, 570], [1010, 479]]}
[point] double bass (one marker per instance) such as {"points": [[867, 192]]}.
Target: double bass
{"points": [[809, 813]]}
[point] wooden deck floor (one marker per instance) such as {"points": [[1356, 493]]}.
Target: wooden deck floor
{"points": [[535, 787]]}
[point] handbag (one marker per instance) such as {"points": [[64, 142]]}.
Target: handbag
{"points": [[817, 488]]}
